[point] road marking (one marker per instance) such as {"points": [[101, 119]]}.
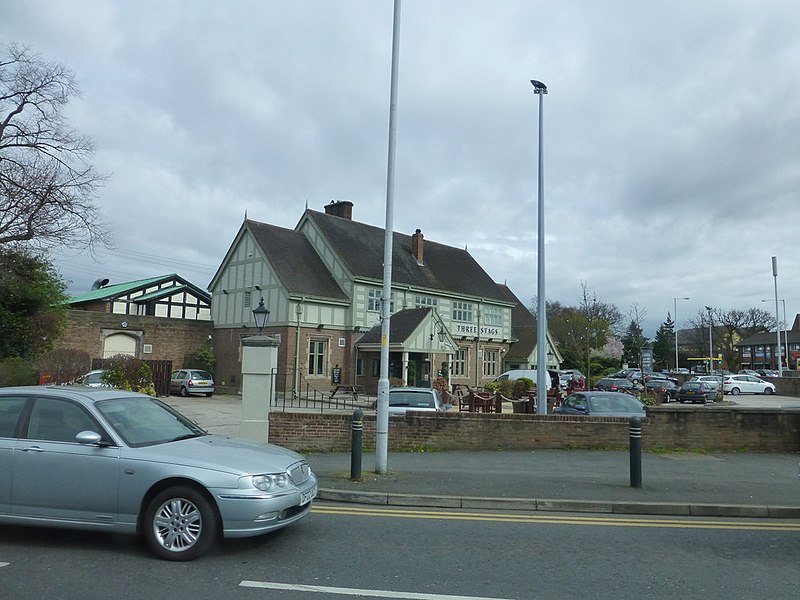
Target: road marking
{"points": [[2, 564], [320, 589], [697, 523]]}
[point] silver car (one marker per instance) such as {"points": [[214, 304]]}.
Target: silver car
{"points": [[403, 399], [191, 381], [105, 459]]}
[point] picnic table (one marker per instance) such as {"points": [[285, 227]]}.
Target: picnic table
{"points": [[351, 390]]}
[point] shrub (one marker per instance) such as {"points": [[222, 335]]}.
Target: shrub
{"points": [[129, 373], [16, 371], [65, 364], [201, 359]]}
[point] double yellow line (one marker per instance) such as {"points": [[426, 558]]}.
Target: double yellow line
{"points": [[605, 521]]}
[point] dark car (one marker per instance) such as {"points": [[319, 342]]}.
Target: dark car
{"points": [[697, 391], [665, 388], [659, 376], [612, 384], [601, 404]]}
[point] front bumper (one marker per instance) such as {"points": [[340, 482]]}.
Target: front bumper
{"points": [[250, 513]]}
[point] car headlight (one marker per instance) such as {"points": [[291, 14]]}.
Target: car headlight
{"points": [[270, 482]]}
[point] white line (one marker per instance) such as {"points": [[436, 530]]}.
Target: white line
{"points": [[357, 592], [2, 564]]}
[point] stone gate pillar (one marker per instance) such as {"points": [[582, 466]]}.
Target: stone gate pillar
{"points": [[259, 365]]}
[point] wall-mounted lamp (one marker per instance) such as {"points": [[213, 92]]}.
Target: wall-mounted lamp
{"points": [[225, 292], [357, 329], [258, 287], [320, 326], [261, 316], [442, 334]]}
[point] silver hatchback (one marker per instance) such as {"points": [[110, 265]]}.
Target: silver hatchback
{"points": [[191, 381], [105, 459]]}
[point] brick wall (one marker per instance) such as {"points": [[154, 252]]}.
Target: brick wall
{"points": [[171, 339], [723, 428]]}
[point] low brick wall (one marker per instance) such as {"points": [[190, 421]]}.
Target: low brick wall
{"points": [[668, 427]]}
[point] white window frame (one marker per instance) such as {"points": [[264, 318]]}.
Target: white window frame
{"points": [[462, 311], [318, 357], [459, 364]]}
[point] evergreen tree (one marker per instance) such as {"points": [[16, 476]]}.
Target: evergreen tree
{"points": [[664, 345]]}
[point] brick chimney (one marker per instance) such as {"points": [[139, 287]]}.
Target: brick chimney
{"points": [[417, 243], [340, 208]]}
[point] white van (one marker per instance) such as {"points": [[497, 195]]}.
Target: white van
{"points": [[520, 373]]}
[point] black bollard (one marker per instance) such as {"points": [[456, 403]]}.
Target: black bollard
{"points": [[358, 432], [636, 451]]}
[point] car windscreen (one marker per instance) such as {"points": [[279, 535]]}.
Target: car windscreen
{"points": [[146, 421], [620, 403], [413, 399]]}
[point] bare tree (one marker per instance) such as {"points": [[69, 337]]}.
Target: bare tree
{"points": [[727, 329], [47, 183]]}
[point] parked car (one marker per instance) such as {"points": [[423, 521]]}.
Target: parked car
{"points": [[601, 404], [635, 375], [746, 384], [749, 372], [697, 391], [714, 380], [515, 374], [109, 460], [768, 373], [191, 381], [403, 399], [666, 388], [92, 379], [613, 384], [659, 376]]}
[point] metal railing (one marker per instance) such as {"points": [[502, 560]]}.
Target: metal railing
{"points": [[314, 396]]}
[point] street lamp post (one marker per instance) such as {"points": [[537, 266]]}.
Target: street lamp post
{"points": [[540, 90], [783, 325], [675, 314], [710, 342], [777, 317]]}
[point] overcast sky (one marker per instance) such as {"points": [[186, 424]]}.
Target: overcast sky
{"points": [[671, 134]]}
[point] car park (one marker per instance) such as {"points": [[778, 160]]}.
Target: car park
{"points": [[700, 392], [747, 384], [103, 459], [614, 384], [191, 381], [601, 404], [404, 399]]}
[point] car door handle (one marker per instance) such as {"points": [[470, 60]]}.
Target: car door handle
{"points": [[33, 449]]}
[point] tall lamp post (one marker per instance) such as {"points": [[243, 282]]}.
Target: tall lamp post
{"points": [[777, 318], [785, 333], [675, 314], [710, 342], [540, 90]]}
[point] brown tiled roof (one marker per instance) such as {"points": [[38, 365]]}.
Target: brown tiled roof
{"points": [[295, 261], [446, 269], [401, 325]]}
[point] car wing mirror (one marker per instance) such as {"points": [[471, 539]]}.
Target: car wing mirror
{"points": [[580, 407], [89, 438]]}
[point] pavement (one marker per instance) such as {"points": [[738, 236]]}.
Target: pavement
{"points": [[726, 484]]}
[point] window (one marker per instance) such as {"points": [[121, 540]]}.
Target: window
{"points": [[425, 301], [317, 357], [493, 315], [460, 363], [374, 301], [462, 311], [359, 366], [10, 409], [58, 420], [490, 363]]}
